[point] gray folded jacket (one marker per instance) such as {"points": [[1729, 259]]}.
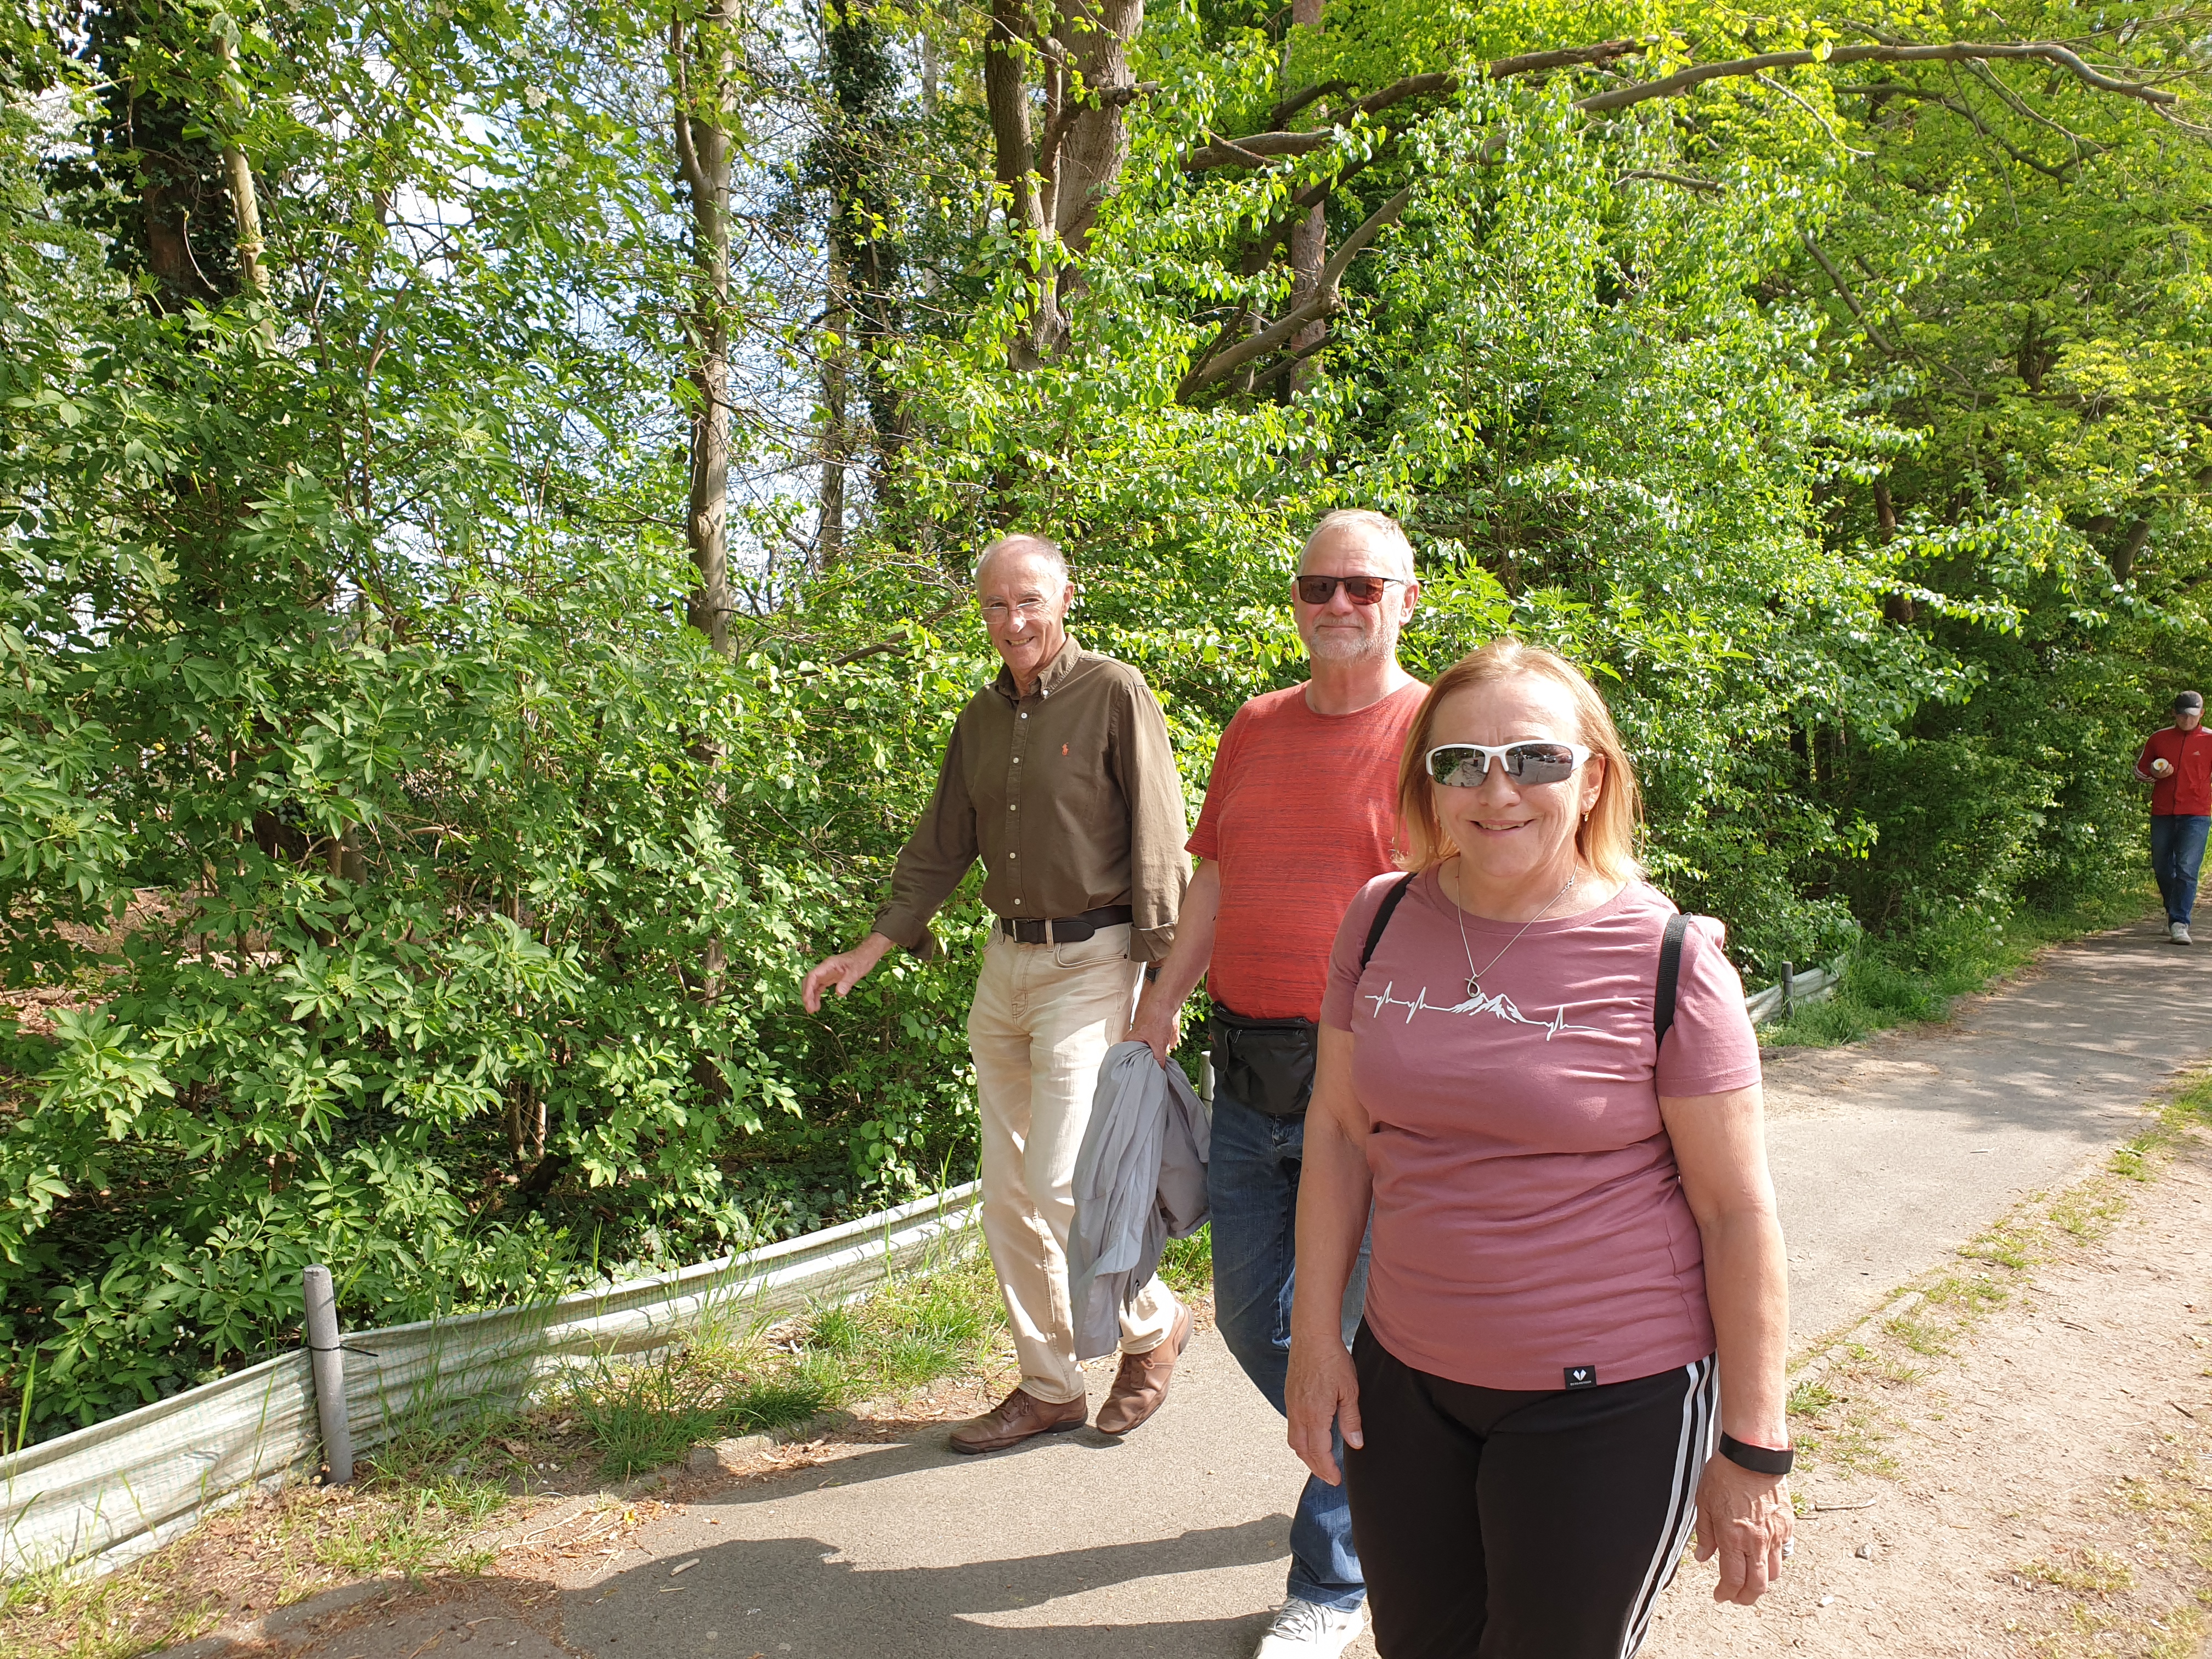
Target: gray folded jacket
{"points": [[1139, 1180]]}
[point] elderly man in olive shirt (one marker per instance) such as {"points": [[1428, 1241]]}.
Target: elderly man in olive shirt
{"points": [[1059, 777]]}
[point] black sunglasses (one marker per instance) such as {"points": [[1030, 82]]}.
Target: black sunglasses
{"points": [[1361, 590]]}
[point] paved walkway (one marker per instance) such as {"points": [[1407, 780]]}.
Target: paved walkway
{"points": [[1886, 1154]]}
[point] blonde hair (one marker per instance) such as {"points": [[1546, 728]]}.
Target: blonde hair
{"points": [[1605, 840]]}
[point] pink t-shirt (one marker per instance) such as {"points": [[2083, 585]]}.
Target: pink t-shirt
{"points": [[1528, 1216]]}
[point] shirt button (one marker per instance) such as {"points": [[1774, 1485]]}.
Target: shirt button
{"points": [[1025, 714], [1017, 760], [1013, 855], [1012, 808]]}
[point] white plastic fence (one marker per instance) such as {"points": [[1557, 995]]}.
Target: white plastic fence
{"points": [[107, 1494]]}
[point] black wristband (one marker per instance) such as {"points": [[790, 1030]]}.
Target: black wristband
{"points": [[1759, 1460]]}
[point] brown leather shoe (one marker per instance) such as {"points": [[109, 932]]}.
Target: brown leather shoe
{"points": [[1140, 1387], [1020, 1416]]}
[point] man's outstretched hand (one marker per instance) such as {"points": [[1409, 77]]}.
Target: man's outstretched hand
{"points": [[844, 971]]}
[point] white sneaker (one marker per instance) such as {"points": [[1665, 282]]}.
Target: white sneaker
{"points": [[1306, 1630], [2179, 932]]}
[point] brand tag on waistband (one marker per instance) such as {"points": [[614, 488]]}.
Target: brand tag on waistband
{"points": [[1582, 1376]]}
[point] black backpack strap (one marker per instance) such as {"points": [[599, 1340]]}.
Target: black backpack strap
{"points": [[1382, 920], [1670, 970]]}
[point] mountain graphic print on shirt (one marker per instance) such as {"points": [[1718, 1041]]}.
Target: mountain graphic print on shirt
{"points": [[1480, 1003], [1528, 1215]]}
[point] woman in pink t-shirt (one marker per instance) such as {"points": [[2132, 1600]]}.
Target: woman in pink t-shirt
{"points": [[1577, 1278]]}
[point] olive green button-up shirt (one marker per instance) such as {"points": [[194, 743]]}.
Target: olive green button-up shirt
{"points": [[1070, 798]]}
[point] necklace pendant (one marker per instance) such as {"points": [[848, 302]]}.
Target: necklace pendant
{"points": [[1474, 985]]}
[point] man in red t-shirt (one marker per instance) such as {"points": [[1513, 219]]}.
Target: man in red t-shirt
{"points": [[1301, 813], [2177, 763]]}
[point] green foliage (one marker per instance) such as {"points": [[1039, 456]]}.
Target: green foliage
{"points": [[406, 887]]}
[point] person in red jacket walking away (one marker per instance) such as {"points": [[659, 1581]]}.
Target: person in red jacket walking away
{"points": [[2177, 763]]}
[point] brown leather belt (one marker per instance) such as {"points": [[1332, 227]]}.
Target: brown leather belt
{"points": [[1064, 930]]}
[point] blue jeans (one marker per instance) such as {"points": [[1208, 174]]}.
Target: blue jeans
{"points": [[2177, 848], [1252, 1187]]}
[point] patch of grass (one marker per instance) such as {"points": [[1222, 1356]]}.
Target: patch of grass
{"points": [[413, 1530], [49, 1616], [1187, 1264], [650, 1412], [2091, 1572], [1915, 977], [1810, 1398], [266, 1553], [940, 1318]]}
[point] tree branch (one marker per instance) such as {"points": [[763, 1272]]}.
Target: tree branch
{"points": [[1223, 152], [1288, 360], [687, 153], [1293, 104], [1843, 291], [1325, 301], [2050, 51], [1685, 182]]}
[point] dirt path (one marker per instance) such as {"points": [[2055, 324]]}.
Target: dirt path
{"points": [[2045, 1487], [2021, 1441]]}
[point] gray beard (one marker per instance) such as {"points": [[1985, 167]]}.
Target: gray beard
{"points": [[1335, 645]]}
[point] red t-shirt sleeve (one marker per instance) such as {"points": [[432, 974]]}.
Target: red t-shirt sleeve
{"points": [[1712, 1047], [1344, 969], [1205, 841]]}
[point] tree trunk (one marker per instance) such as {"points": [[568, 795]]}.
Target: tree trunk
{"points": [[245, 205], [1896, 607], [2124, 556], [865, 256], [1005, 91], [706, 67], [1055, 181], [1309, 241], [830, 537], [1094, 137]]}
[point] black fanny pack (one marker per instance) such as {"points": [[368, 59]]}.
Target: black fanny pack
{"points": [[1266, 1064]]}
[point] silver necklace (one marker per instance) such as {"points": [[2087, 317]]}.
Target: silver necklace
{"points": [[1475, 979]]}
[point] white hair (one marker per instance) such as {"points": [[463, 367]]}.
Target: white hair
{"points": [[1022, 542], [1385, 531]]}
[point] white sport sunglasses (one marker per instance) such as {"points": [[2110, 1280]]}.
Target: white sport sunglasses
{"points": [[1465, 765]]}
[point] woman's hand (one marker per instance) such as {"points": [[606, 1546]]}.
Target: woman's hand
{"points": [[1746, 1518], [1321, 1394]]}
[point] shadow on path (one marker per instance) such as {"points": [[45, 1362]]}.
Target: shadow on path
{"points": [[799, 1595]]}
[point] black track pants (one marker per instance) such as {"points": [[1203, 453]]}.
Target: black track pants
{"points": [[1498, 1524]]}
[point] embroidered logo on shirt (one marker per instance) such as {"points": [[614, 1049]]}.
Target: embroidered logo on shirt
{"points": [[1480, 1003], [1063, 748], [1582, 1376]]}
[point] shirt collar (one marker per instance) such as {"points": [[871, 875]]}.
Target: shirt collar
{"points": [[1054, 676]]}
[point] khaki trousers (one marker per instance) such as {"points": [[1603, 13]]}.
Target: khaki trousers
{"points": [[1044, 1017]]}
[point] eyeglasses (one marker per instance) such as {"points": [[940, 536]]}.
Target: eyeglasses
{"points": [[996, 611], [1465, 765], [1361, 590]]}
